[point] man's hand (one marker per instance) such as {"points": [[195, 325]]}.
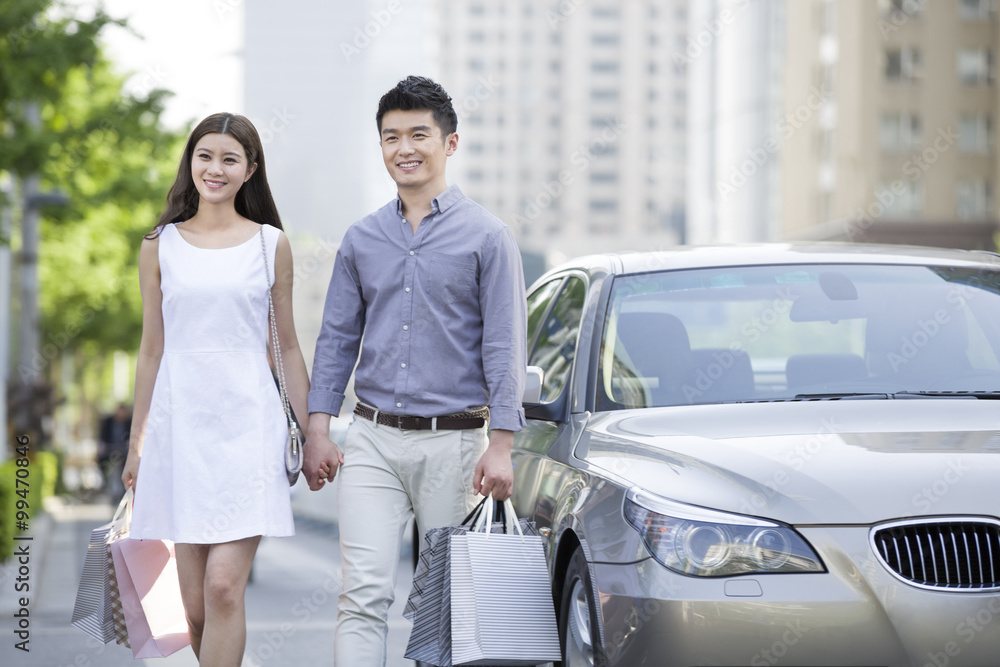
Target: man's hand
{"points": [[322, 456], [494, 471]]}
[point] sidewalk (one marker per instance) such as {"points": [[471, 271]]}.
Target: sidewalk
{"points": [[57, 548]]}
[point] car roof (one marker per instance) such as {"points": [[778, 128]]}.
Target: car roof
{"points": [[691, 257]]}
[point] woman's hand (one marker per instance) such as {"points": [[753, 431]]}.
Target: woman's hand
{"points": [[131, 471]]}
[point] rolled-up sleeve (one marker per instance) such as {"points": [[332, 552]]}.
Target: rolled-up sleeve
{"points": [[340, 336], [502, 300]]}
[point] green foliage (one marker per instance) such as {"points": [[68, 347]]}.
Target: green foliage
{"points": [[7, 508], [101, 147], [43, 471]]}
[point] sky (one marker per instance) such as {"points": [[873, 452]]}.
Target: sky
{"points": [[191, 47]]}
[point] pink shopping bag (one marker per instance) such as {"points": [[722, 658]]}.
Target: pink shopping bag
{"points": [[151, 596]]}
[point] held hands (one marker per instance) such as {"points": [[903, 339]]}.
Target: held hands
{"points": [[494, 472], [322, 457]]}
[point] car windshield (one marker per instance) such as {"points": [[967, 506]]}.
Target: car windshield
{"points": [[798, 332]]}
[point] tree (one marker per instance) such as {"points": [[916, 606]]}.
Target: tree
{"points": [[106, 150]]}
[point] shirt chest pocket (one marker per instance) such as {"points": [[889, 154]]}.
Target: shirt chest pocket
{"points": [[450, 278]]}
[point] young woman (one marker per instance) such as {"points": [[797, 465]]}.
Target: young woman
{"points": [[206, 453]]}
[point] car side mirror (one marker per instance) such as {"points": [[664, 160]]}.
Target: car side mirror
{"points": [[533, 385]]}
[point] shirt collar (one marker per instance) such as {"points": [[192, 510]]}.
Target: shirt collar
{"points": [[439, 204]]}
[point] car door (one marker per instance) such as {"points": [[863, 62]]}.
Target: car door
{"points": [[555, 312]]}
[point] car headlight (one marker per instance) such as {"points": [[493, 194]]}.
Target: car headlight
{"points": [[707, 543]]}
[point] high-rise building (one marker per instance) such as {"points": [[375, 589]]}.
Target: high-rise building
{"points": [[909, 156], [861, 121], [572, 117]]}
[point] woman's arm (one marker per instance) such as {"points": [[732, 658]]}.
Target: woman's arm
{"points": [[150, 352], [296, 377]]}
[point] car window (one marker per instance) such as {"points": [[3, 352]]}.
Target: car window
{"points": [[538, 305], [556, 346], [777, 332]]}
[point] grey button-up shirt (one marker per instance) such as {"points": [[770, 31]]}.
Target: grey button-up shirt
{"points": [[442, 314]]}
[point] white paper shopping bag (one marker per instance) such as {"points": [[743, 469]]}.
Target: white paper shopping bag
{"points": [[501, 600]]}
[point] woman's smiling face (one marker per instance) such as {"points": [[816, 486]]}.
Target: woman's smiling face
{"points": [[219, 167]]}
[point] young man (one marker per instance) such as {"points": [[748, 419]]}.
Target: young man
{"points": [[434, 286]]}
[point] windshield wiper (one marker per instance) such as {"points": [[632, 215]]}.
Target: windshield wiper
{"points": [[985, 395], [840, 396], [845, 395]]}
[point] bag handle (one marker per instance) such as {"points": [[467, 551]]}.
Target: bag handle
{"points": [[275, 345], [506, 508], [122, 518]]}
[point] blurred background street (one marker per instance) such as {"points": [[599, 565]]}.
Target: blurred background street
{"points": [[585, 125]]}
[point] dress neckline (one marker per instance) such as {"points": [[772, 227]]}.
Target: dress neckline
{"points": [[230, 247]]}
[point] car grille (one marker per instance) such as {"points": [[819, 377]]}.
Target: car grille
{"points": [[957, 554]]}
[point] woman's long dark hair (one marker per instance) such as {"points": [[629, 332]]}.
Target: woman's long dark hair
{"points": [[253, 201]]}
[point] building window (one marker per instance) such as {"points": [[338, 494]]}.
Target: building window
{"points": [[603, 205], [477, 64], [903, 65], [604, 67], [974, 199], [604, 94], [475, 175], [977, 10], [477, 37], [975, 133], [975, 66], [900, 132], [603, 177], [476, 148], [605, 12], [901, 199], [604, 39]]}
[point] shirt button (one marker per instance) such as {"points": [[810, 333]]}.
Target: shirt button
{"points": [[406, 327], [407, 289], [403, 365], [412, 253], [399, 405]]}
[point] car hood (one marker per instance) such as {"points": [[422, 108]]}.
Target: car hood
{"points": [[814, 462]]}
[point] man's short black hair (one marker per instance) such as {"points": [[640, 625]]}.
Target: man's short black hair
{"points": [[418, 93]]}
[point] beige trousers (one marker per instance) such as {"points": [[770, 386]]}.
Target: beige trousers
{"points": [[388, 476]]}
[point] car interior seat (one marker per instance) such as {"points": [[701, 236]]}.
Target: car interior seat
{"points": [[652, 352]]}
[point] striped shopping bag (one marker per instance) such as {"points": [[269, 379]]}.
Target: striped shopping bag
{"points": [[98, 607], [501, 600], [428, 606]]}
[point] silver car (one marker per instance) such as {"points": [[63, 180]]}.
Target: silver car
{"points": [[768, 455]]}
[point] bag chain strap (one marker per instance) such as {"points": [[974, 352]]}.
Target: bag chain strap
{"points": [[275, 346]]}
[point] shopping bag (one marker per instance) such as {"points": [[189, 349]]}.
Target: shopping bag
{"points": [[428, 606], [151, 596], [501, 599], [98, 604]]}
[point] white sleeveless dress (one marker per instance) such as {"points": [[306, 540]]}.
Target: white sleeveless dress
{"points": [[212, 467]]}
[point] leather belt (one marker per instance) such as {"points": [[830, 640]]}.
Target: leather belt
{"points": [[457, 421]]}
